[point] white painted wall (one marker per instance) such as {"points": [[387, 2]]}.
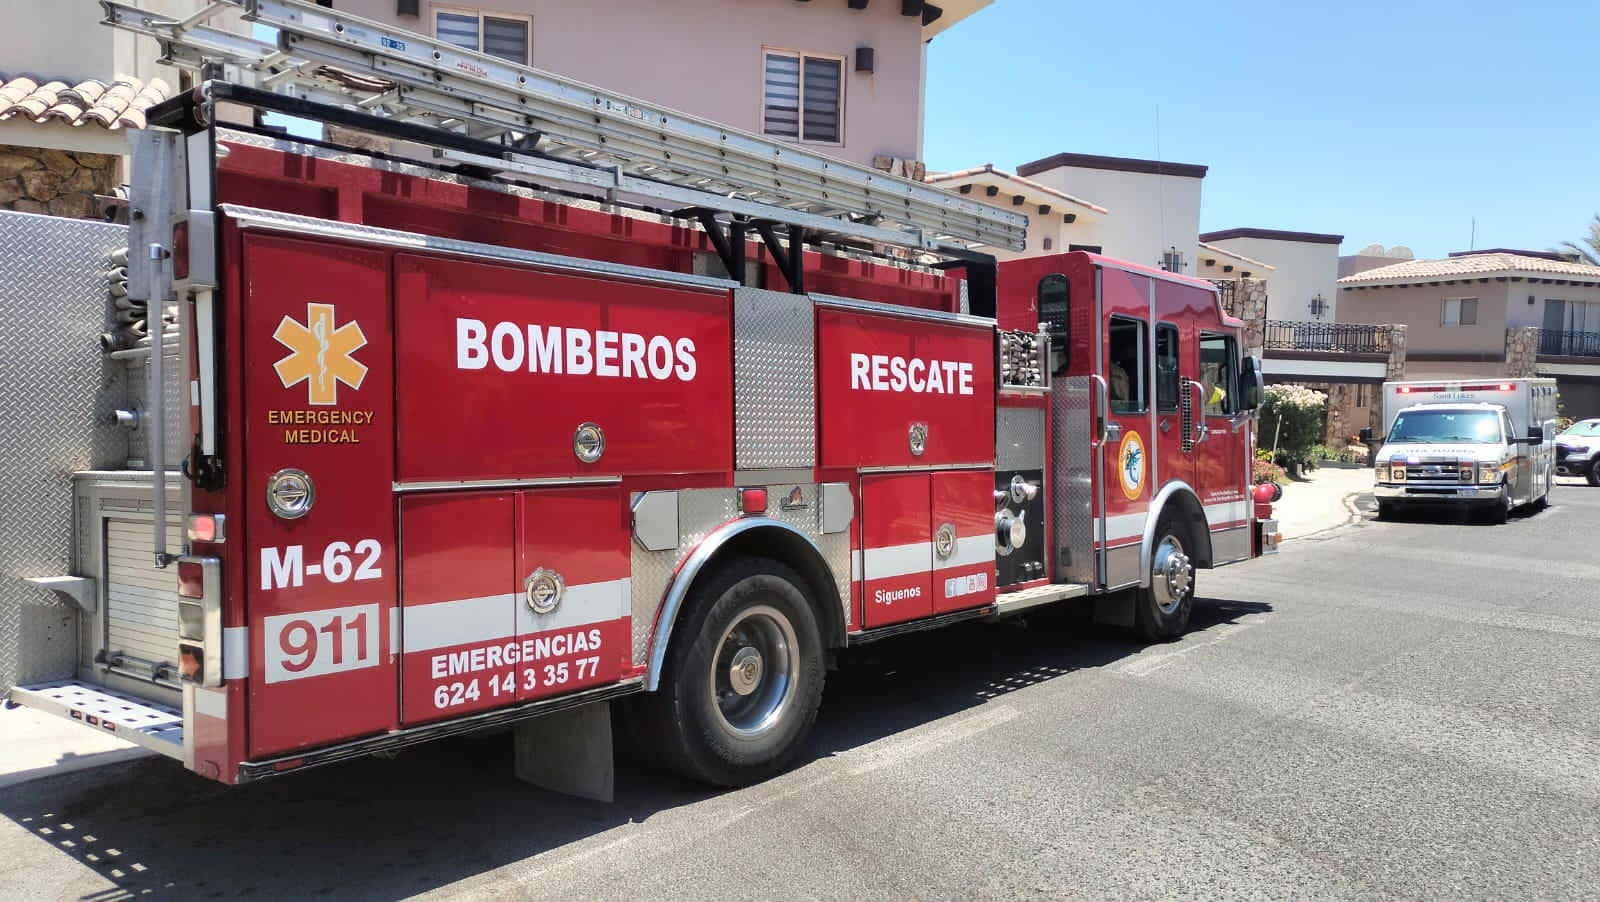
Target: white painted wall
{"points": [[704, 57], [1302, 270], [63, 39], [1149, 213]]}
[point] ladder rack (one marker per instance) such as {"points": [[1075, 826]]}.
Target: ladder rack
{"points": [[520, 122]]}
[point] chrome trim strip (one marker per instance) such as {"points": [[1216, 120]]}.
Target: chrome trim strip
{"points": [[1098, 336], [938, 316], [932, 468], [445, 486], [252, 218], [783, 476], [260, 769], [678, 588]]}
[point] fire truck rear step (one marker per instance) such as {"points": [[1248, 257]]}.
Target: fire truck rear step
{"points": [[1022, 600], [153, 726]]}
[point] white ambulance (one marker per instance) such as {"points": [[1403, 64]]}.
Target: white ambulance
{"points": [[1486, 444]]}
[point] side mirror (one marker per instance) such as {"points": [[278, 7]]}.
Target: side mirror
{"points": [[1535, 435], [1252, 384], [1366, 435]]}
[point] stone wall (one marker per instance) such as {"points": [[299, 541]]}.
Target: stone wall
{"points": [[1522, 352], [62, 183], [1252, 298]]}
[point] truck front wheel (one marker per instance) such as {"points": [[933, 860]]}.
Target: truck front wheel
{"points": [[1161, 610], [1594, 472], [743, 678]]}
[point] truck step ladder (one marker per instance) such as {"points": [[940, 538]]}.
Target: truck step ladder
{"points": [[529, 123], [146, 723]]}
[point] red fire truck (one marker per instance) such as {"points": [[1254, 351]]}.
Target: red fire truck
{"points": [[476, 431]]}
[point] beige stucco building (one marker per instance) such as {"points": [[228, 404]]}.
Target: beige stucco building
{"points": [[1305, 276], [1057, 221], [843, 77], [1464, 313]]}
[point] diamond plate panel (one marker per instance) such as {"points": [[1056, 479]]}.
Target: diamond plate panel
{"points": [[136, 397], [53, 307], [1073, 470], [699, 512], [774, 380], [1019, 438], [702, 510]]}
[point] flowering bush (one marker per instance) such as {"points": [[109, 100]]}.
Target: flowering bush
{"points": [[1267, 471], [1292, 419]]}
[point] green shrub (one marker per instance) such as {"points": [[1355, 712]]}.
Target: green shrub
{"points": [[1292, 418]]}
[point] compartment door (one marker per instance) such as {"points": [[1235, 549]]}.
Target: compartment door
{"points": [[458, 598], [574, 628], [896, 549], [963, 539]]}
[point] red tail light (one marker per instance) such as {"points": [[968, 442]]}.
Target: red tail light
{"points": [[754, 501], [191, 580]]}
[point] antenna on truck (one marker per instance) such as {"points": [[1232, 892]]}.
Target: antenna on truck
{"points": [[516, 121]]}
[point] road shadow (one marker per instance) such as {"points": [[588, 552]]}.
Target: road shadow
{"points": [[451, 810]]}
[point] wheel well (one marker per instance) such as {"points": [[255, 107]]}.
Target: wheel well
{"points": [[794, 551], [1184, 508]]}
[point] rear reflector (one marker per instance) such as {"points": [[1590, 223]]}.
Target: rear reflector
{"points": [[191, 662], [180, 251]]}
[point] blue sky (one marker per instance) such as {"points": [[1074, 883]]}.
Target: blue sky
{"points": [[1393, 123]]}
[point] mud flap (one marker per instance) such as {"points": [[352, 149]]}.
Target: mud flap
{"points": [[1115, 608], [569, 752]]}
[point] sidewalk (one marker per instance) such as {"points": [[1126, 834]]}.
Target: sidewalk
{"points": [[1325, 499], [42, 745]]}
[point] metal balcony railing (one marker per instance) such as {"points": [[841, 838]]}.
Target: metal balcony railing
{"points": [[1228, 292], [1569, 344], [1345, 338]]}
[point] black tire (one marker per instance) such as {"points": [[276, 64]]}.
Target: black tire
{"points": [[1161, 610], [1387, 510], [1594, 473], [1500, 512], [737, 735]]}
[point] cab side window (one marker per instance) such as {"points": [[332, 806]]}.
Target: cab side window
{"points": [[1219, 374], [1127, 371], [1169, 385]]}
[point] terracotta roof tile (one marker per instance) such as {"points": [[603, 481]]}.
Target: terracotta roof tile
{"points": [[1470, 266], [111, 105]]}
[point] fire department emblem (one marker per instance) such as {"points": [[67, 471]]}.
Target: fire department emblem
{"points": [[322, 354], [1131, 465]]}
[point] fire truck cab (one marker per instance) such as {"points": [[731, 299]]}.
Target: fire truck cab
{"points": [[452, 449]]}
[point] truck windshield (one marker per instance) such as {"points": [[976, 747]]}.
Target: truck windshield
{"points": [[1585, 429], [1422, 426]]}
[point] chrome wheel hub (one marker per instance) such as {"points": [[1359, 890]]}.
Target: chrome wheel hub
{"points": [[1171, 574], [753, 671], [744, 673]]}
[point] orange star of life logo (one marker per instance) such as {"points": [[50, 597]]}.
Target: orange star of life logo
{"points": [[322, 354]]}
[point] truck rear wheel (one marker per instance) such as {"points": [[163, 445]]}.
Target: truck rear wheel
{"points": [[743, 678], [1161, 610]]}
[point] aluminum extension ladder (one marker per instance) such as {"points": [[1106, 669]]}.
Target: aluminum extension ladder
{"points": [[551, 129]]}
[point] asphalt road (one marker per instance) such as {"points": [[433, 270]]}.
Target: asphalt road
{"points": [[1391, 709]]}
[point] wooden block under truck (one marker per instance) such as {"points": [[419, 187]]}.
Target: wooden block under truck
{"points": [[449, 449]]}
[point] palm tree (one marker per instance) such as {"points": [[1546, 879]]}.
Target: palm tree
{"points": [[1588, 250]]}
